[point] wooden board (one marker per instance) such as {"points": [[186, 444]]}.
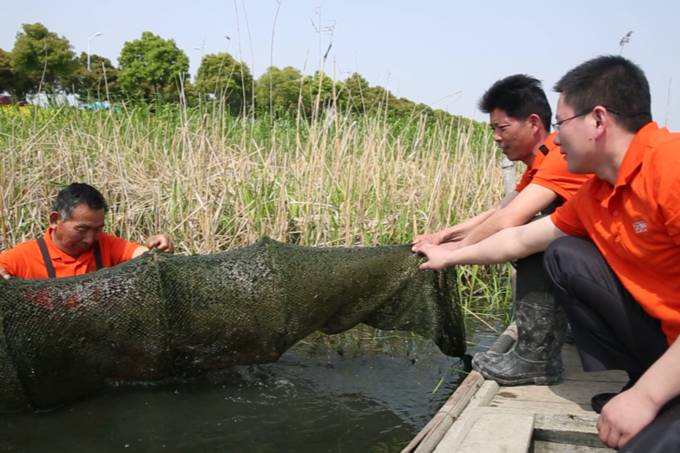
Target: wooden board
{"points": [[511, 434]]}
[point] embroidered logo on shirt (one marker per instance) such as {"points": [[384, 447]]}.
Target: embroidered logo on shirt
{"points": [[639, 226]]}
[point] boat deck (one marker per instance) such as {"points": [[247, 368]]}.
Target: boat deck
{"points": [[482, 416]]}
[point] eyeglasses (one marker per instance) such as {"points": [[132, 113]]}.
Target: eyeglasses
{"points": [[556, 125]]}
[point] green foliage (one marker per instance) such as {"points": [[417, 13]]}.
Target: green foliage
{"points": [[356, 94], [152, 68], [100, 82], [6, 73], [277, 91], [318, 93], [221, 76], [155, 69], [41, 60]]}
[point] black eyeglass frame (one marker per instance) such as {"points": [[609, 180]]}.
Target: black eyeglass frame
{"points": [[556, 125]]}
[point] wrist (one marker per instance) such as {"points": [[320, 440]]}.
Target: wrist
{"points": [[655, 396]]}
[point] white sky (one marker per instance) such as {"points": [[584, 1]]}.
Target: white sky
{"points": [[442, 53]]}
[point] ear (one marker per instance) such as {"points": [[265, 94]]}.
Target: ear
{"points": [[54, 218], [535, 121], [602, 120]]}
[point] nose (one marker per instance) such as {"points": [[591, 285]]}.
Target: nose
{"points": [[90, 238], [497, 137], [557, 138]]}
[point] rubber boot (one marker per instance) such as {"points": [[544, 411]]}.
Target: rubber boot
{"points": [[535, 357]]}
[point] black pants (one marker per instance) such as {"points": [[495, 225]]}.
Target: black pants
{"points": [[611, 329]]}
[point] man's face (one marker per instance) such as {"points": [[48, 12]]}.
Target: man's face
{"points": [[79, 233], [575, 137], [515, 137]]}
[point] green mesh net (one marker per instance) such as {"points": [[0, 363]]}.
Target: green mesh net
{"points": [[162, 316]]}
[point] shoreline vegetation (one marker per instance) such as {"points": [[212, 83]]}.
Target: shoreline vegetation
{"points": [[214, 181]]}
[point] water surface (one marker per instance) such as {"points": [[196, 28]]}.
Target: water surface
{"points": [[321, 396]]}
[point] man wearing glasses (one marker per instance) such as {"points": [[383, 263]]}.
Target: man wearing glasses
{"points": [[613, 250], [519, 114]]}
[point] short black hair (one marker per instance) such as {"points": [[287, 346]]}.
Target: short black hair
{"points": [[75, 194], [519, 96], [613, 82]]}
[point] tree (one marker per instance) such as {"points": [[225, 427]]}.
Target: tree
{"points": [[41, 60], [152, 68], [354, 95], [6, 73], [277, 91], [100, 82], [317, 93], [220, 75]]}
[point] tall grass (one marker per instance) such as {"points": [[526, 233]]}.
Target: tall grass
{"points": [[213, 181]]}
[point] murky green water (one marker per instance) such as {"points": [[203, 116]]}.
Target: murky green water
{"points": [[318, 397]]}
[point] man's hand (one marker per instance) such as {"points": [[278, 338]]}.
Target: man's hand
{"points": [[431, 238], [436, 255], [625, 416], [4, 274], [160, 242]]}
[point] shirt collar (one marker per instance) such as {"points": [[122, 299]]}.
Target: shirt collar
{"points": [[550, 141], [539, 155], [635, 153]]}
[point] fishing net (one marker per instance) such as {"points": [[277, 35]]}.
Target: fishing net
{"points": [[162, 316]]}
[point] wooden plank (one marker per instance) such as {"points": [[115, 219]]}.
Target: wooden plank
{"points": [[428, 437], [561, 414], [542, 407], [573, 429], [459, 429], [484, 395], [552, 447], [499, 432], [444, 418], [569, 392], [568, 429]]}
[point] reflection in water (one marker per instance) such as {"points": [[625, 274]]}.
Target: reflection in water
{"points": [[318, 397]]}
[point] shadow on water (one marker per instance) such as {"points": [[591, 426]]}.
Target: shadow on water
{"points": [[321, 396]]}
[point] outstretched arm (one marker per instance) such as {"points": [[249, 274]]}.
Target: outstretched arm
{"points": [[506, 245], [460, 231], [519, 211]]}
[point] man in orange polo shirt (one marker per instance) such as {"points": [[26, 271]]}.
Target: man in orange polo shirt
{"points": [[519, 114], [613, 250], [74, 243]]}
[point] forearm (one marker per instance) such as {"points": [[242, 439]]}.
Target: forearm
{"points": [[495, 223], [499, 248], [462, 230], [661, 382], [509, 244]]}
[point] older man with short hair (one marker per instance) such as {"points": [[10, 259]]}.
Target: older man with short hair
{"points": [[74, 243]]}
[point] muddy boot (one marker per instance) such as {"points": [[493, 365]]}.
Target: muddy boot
{"points": [[541, 326], [535, 358]]}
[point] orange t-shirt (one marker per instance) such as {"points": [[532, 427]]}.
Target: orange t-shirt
{"points": [[26, 261], [636, 223], [550, 171]]}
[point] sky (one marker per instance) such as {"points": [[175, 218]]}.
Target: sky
{"points": [[442, 53]]}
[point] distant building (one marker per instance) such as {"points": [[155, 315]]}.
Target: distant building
{"points": [[60, 99]]}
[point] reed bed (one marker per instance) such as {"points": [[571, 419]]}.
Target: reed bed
{"points": [[213, 181]]}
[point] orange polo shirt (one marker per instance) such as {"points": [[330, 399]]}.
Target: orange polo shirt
{"points": [[550, 171], [26, 261], [636, 223]]}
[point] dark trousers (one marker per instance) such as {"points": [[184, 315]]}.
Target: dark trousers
{"points": [[611, 329]]}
